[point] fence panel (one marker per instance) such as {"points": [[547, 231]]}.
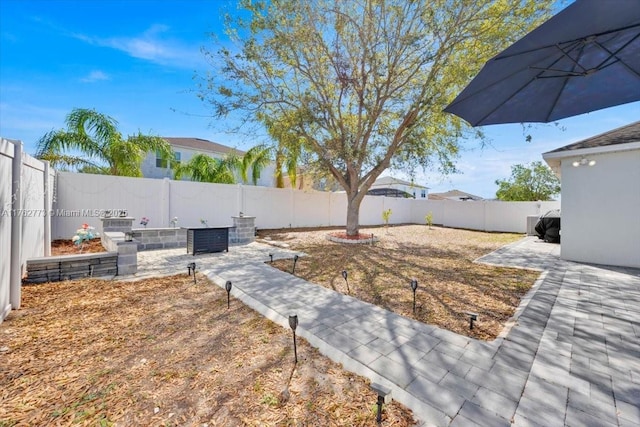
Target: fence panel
{"points": [[511, 217], [83, 198], [34, 208], [192, 201], [6, 164], [422, 207], [161, 199], [311, 209], [272, 207]]}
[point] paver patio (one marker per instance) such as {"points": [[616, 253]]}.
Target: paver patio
{"points": [[570, 356]]}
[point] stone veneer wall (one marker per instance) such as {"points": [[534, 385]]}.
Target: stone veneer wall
{"points": [[113, 241], [118, 224], [70, 267], [160, 238], [243, 230]]}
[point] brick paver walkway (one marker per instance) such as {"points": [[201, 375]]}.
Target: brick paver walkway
{"points": [[570, 357]]}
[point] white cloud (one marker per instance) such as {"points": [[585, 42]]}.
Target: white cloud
{"points": [[27, 122], [94, 76], [153, 45]]}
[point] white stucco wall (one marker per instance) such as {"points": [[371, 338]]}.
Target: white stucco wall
{"points": [[601, 209]]}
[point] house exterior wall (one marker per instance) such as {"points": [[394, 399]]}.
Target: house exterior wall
{"points": [[150, 170], [601, 209]]}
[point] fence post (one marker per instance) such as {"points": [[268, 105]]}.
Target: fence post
{"points": [[15, 275], [166, 202], [47, 210]]}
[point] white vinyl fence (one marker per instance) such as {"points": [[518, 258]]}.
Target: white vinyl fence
{"points": [[84, 198], [26, 194]]}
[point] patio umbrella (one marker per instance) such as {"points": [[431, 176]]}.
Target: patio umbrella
{"points": [[585, 58]]}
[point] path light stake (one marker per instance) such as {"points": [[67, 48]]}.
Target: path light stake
{"points": [[472, 318], [295, 260], [344, 274], [227, 286], [414, 286], [293, 324], [384, 396], [192, 267], [271, 256]]}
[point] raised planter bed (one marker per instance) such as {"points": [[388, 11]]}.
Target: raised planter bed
{"points": [[69, 267]]}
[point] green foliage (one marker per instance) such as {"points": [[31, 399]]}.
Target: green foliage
{"points": [[204, 168], [360, 86], [269, 400], [386, 215], [529, 183], [429, 219], [254, 160], [100, 148]]}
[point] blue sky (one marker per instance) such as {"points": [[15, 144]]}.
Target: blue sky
{"points": [[136, 60]]}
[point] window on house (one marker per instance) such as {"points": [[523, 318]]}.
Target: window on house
{"points": [[162, 163], [423, 193]]}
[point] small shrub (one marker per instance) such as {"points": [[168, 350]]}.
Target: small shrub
{"points": [[385, 216], [429, 219]]}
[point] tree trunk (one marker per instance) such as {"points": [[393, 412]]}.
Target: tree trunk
{"points": [[353, 214]]}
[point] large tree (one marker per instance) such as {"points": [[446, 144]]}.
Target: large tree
{"points": [[92, 144], [362, 83], [528, 183]]}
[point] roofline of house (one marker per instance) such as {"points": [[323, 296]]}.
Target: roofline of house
{"points": [[591, 150], [401, 182], [553, 158]]}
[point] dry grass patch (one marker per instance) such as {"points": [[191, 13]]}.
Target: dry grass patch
{"points": [[441, 259], [166, 352]]}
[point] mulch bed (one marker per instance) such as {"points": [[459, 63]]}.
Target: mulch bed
{"points": [[166, 352], [67, 247]]}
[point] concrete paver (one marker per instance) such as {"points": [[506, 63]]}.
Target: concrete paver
{"points": [[570, 356]]}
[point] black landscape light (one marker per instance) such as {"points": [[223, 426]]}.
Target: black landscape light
{"points": [[384, 396], [227, 287], [344, 275], [295, 260], [128, 236], [271, 256], [472, 318], [414, 287], [192, 267], [293, 324]]}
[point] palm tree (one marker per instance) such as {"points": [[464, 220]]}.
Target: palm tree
{"points": [[203, 168], [93, 144], [254, 160], [288, 150]]}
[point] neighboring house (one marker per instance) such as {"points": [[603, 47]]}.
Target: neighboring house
{"points": [[393, 187], [153, 166], [600, 201], [454, 195]]}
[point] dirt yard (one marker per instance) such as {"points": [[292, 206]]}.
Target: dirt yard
{"points": [[440, 259], [166, 352]]}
